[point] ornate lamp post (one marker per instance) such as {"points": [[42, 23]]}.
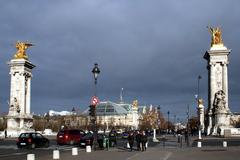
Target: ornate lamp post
{"points": [[198, 103], [96, 72]]}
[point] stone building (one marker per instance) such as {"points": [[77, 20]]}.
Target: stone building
{"points": [[110, 114]]}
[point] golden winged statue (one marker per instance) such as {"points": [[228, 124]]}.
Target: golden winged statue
{"points": [[135, 104], [216, 36], [200, 101], [21, 50]]}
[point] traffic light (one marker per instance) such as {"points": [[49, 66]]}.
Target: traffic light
{"points": [[92, 110]]}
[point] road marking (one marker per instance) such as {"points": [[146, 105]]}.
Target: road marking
{"points": [[8, 147], [167, 156], [12, 154], [135, 155]]}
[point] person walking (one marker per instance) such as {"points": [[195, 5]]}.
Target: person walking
{"points": [[144, 140], [131, 140], [138, 140]]}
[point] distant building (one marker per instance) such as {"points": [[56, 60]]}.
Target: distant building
{"points": [[110, 114], [76, 121]]}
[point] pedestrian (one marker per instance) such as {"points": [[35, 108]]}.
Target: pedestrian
{"points": [[131, 140], [5, 133], [186, 135], [138, 140], [113, 138], [144, 140]]}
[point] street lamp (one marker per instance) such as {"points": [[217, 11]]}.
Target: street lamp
{"points": [[198, 98], [199, 77], [168, 121], [188, 125], [96, 72]]}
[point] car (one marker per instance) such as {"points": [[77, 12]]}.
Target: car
{"points": [[69, 136], [87, 139], [32, 140]]}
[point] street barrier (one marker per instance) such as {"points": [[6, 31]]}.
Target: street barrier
{"points": [[88, 149], [30, 156], [56, 154], [199, 144], [128, 146], [224, 143], [75, 151]]}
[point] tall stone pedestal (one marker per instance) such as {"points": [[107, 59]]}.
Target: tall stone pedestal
{"points": [[218, 110], [19, 118]]}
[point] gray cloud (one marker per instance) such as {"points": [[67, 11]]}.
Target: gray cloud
{"points": [[153, 49]]}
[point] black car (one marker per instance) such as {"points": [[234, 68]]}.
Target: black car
{"points": [[32, 140], [87, 139]]}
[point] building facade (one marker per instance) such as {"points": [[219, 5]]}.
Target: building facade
{"points": [[110, 114]]}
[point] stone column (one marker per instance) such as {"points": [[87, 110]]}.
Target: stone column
{"points": [[217, 58], [28, 98], [211, 96], [20, 96], [225, 83]]}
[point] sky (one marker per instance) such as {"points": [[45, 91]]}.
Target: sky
{"points": [[153, 49]]}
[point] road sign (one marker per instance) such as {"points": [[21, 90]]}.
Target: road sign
{"points": [[94, 100]]}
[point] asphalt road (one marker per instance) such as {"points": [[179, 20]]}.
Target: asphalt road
{"points": [[169, 150], [9, 150]]}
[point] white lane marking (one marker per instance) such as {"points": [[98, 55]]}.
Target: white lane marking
{"points": [[167, 156], [8, 147], [13, 154], [135, 155]]}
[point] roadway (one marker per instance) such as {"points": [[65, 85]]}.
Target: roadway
{"points": [[170, 150]]}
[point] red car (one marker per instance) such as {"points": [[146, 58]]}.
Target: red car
{"points": [[69, 136]]}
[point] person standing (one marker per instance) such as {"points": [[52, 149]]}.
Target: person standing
{"points": [[144, 140], [5, 133], [138, 140], [131, 140], [113, 138]]}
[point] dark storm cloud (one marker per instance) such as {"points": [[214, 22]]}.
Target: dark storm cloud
{"points": [[152, 49]]}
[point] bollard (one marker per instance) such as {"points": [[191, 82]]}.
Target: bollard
{"points": [[88, 149], [30, 156], [199, 144], [224, 143], [180, 141], [128, 146], [56, 154], [164, 140], [75, 151]]}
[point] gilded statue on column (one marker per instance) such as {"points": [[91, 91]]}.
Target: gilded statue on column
{"points": [[135, 104], [21, 50], [216, 36]]}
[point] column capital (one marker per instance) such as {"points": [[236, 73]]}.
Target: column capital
{"points": [[212, 63]]}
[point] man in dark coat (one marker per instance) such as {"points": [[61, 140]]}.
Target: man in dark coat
{"points": [[138, 140], [144, 140], [113, 138], [131, 140]]}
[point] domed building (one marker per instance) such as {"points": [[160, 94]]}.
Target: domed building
{"points": [[117, 114]]}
